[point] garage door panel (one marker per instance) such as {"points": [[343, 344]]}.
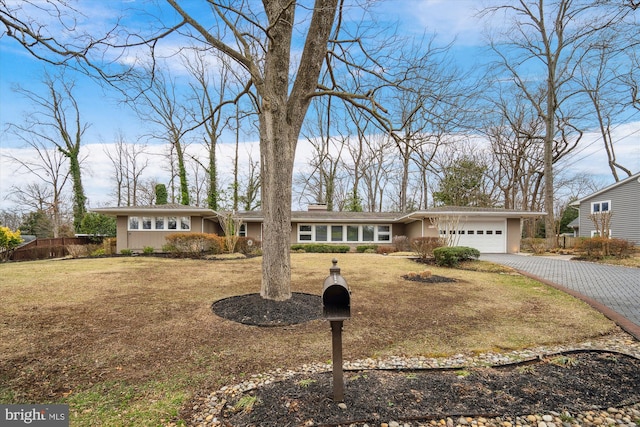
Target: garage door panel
{"points": [[486, 236]]}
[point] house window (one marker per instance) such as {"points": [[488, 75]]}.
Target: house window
{"points": [[321, 233], [146, 223], [384, 233], [134, 223], [368, 232], [242, 232], [480, 232], [471, 232], [352, 233], [344, 233], [603, 206], [185, 223], [336, 233], [498, 232], [594, 233], [159, 223], [172, 223], [304, 233], [489, 231]]}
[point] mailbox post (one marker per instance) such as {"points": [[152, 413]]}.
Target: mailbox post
{"points": [[336, 308]]}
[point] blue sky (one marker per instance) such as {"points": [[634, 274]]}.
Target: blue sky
{"points": [[449, 19]]}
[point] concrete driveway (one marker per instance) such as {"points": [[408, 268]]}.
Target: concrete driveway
{"points": [[613, 290]]}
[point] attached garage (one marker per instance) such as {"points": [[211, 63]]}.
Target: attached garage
{"points": [[490, 230], [485, 236]]}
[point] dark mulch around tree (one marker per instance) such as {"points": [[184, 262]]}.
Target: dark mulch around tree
{"points": [[573, 382], [431, 279], [252, 309]]}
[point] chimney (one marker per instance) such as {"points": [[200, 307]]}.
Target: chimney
{"points": [[317, 207]]}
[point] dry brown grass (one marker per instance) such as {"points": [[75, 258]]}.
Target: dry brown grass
{"points": [[128, 340]]}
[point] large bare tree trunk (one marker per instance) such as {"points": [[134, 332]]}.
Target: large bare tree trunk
{"points": [[277, 150], [281, 116]]}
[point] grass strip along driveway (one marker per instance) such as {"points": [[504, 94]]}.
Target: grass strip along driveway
{"points": [[129, 341]]}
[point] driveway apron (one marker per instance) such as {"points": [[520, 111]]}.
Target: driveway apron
{"points": [[613, 290]]}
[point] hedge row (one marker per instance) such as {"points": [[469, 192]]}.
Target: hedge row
{"points": [[320, 248], [601, 247], [192, 244]]}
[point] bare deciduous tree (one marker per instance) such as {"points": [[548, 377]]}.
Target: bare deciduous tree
{"points": [[129, 162], [601, 79], [54, 127], [551, 36]]}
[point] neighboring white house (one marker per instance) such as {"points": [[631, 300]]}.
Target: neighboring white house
{"points": [[486, 229], [621, 201]]}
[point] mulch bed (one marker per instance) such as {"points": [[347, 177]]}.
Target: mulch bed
{"points": [[572, 381], [431, 279], [252, 309]]}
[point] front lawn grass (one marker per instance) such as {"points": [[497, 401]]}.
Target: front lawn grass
{"points": [[129, 341]]}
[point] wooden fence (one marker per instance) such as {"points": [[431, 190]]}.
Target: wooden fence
{"points": [[564, 242], [48, 248]]}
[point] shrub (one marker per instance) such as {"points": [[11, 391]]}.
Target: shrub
{"points": [[248, 245], [109, 245], [320, 248], [127, 252], [450, 256], [385, 249], [600, 247], [148, 250], [9, 241], [620, 248], [401, 243], [535, 245], [424, 246], [193, 244], [366, 248], [77, 251], [99, 252]]}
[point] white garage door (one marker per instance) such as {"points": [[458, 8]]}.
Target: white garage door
{"points": [[485, 236]]}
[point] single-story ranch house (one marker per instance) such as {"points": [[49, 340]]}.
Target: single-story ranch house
{"points": [[487, 229]]}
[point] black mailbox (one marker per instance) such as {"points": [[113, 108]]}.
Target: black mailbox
{"points": [[336, 300]]}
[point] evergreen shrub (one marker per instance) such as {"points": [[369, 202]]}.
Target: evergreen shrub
{"points": [[320, 248], [451, 256]]}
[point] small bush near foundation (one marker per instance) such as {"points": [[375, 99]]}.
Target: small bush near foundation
{"points": [[127, 252], [320, 248], [98, 252], [424, 246], [366, 248], [148, 250], [451, 256], [401, 243], [384, 250]]}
